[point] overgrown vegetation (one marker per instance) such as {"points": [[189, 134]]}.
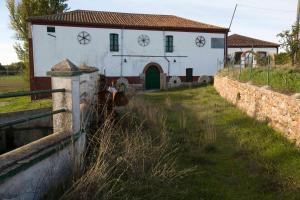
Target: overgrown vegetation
{"points": [[131, 158], [283, 59], [289, 40], [188, 144], [286, 80]]}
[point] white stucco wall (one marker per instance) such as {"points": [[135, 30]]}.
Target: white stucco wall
{"points": [[48, 51]]}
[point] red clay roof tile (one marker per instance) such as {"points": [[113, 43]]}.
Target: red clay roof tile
{"points": [[125, 20], [243, 41]]}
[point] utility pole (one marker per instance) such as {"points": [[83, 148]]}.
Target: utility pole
{"points": [[236, 5], [298, 13], [298, 32]]}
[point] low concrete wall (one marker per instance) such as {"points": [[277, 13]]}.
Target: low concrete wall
{"points": [[30, 171], [280, 110]]}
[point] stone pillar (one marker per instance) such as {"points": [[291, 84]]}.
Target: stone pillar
{"points": [[163, 81], [143, 80], [66, 75], [90, 87]]}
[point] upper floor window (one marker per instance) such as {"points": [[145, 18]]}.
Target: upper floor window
{"points": [[217, 43], [50, 29], [114, 42], [169, 44]]}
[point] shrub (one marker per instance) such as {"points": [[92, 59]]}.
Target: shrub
{"points": [[282, 59]]}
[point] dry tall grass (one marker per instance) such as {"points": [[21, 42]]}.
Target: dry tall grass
{"points": [[127, 160]]}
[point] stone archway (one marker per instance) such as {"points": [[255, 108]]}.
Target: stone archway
{"points": [[153, 64], [153, 74]]}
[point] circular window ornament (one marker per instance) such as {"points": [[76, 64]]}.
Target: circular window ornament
{"points": [[144, 40], [200, 41], [84, 38]]}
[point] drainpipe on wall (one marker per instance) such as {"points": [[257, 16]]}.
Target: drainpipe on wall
{"points": [[122, 50], [164, 48]]}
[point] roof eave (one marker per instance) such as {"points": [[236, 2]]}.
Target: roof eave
{"points": [[117, 26], [255, 46]]}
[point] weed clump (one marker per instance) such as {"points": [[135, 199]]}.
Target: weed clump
{"points": [[127, 161]]}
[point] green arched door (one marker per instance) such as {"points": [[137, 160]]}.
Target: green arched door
{"points": [[152, 78]]}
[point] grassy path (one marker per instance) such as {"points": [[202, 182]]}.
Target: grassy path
{"points": [[234, 156]]}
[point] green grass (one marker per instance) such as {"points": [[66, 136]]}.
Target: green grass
{"points": [[235, 157], [13, 78], [22, 103], [286, 80], [14, 84]]}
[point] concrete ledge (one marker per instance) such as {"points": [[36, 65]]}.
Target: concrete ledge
{"points": [[63, 74], [87, 69], [22, 158], [44, 122]]}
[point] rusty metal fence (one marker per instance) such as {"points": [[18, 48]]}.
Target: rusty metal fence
{"points": [[281, 78]]}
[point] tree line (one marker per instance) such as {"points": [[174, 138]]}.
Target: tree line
{"points": [[16, 68]]}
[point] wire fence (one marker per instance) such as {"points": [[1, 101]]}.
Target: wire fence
{"points": [[11, 73], [281, 78]]}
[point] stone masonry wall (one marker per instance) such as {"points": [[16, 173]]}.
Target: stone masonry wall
{"points": [[280, 110]]}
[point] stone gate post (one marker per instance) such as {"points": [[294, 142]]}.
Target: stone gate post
{"points": [[66, 75]]}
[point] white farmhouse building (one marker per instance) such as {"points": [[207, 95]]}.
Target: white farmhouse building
{"points": [[141, 48], [239, 48]]}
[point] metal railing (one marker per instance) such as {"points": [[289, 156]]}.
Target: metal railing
{"points": [[28, 93], [282, 78], [23, 120]]}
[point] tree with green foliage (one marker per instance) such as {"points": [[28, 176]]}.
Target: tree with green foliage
{"points": [[282, 59], [20, 11], [289, 40]]}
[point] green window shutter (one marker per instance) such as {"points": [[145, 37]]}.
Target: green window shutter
{"points": [[114, 42], [50, 29], [111, 39], [169, 43]]}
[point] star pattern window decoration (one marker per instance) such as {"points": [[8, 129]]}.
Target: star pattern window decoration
{"points": [[144, 40], [200, 41], [84, 38]]}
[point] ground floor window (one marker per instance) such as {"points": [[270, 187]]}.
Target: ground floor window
{"points": [[189, 75], [237, 57], [261, 57], [262, 54]]}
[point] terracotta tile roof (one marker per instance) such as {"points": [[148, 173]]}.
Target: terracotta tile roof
{"points": [[243, 41], [125, 20]]}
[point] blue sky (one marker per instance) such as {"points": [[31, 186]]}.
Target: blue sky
{"points": [[262, 19]]}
